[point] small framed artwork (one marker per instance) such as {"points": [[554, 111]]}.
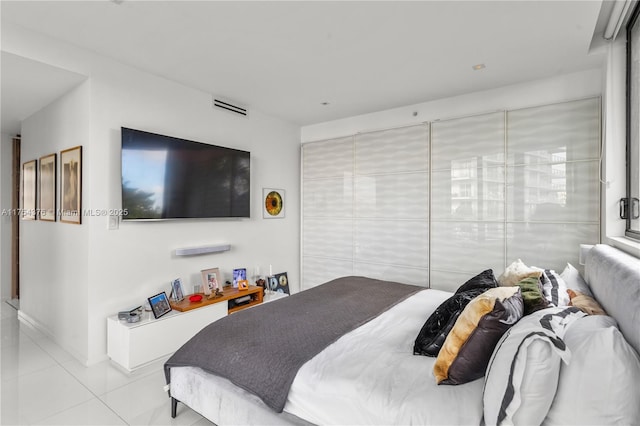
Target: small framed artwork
{"points": [[159, 304], [243, 285], [282, 283], [239, 274], [210, 280], [273, 203], [48, 188], [29, 190], [71, 185], [177, 291]]}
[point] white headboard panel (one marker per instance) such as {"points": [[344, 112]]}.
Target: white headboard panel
{"points": [[614, 278]]}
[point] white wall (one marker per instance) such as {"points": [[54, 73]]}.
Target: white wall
{"points": [[54, 269], [540, 92], [120, 268], [6, 149]]}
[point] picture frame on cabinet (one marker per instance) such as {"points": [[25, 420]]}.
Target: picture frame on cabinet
{"points": [[239, 274], [177, 290], [47, 193], [159, 304], [29, 190], [283, 283], [243, 285], [210, 280]]}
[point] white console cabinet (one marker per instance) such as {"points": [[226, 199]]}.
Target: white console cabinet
{"points": [[132, 345]]}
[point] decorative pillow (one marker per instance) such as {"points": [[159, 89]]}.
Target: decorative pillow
{"points": [[586, 304], [468, 347], [555, 289], [522, 375], [516, 272], [532, 295], [574, 280], [441, 321], [600, 384]]}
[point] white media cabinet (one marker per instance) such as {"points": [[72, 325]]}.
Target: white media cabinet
{"points": [[133, 345]]}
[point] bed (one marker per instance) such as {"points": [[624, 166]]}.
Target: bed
{"points": [[581, 369]]}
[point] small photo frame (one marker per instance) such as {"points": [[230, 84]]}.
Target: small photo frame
{"points": [[210, 280], [71, 185], [243, 285], [159, 304], [177, 291], [47, 191], [239, 274], [281, 283], [273, 203], [29, 189]]}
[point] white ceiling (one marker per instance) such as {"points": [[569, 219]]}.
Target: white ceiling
{"points": [[287, 58]]}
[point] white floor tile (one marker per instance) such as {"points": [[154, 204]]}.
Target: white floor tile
{"points": [[23, 357], [103, 377], [140, 398], [33, 397], [92, 412]]}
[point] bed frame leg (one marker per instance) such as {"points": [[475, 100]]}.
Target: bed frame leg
{"points": [[174, 407]]}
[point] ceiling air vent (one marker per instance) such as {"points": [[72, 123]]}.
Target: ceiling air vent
{"points": [[229, 107]]}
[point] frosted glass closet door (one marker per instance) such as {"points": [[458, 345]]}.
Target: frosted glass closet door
{"points": [[467, 199], [391, 229], [327, 211], [552, 182]]}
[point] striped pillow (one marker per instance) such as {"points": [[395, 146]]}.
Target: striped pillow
{"points": [[522, 375], [555, 288]]}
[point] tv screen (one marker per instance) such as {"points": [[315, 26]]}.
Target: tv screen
{"points": [[170, 178]]}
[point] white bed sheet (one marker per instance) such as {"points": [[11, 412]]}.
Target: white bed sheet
{"points": [[370, 376]]}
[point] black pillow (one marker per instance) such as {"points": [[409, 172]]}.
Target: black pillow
{"points": [[439, 324]]}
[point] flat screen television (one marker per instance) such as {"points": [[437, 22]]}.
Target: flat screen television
{"points": [[164, 177]]}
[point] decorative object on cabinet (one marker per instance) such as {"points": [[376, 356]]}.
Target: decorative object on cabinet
{"points": [[239, 274], [159, 304], [273, 205], [210, 280], [48, 188], [71, 185], [243, 285], [177, 291], [29, 190], [282, 283]]}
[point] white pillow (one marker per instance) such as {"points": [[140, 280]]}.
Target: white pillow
{"points": [[555, 289], [516, 272], [574, 280], [522, 375], [600, 384]]}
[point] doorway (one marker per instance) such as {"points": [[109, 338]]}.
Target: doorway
{"points": [[16, 174]]}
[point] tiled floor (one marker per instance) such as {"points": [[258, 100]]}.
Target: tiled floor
{"points": [[41, 384]]}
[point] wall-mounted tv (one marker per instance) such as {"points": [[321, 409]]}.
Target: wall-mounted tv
{"points": [[164, 177]]}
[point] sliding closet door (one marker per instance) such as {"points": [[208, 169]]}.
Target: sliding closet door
{"points": [[327, 211], [468, 198], [365, 207], [391, 228], [553, 183]]}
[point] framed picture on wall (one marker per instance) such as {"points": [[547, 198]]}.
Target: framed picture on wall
{"points": [[273, 203], [29, 190], [210, 280], [48, 188], [71, 185]]}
